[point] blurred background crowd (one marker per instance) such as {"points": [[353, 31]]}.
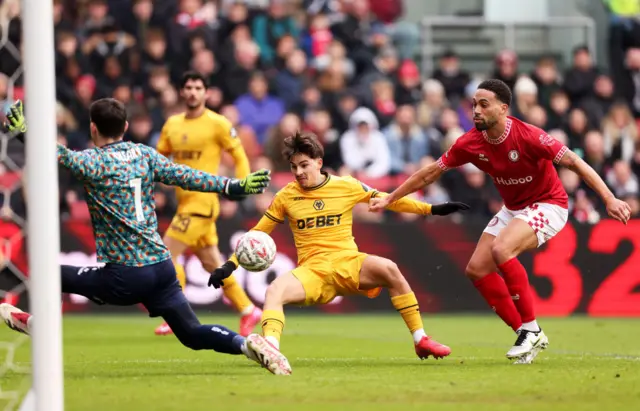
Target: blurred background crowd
{"points": [[346, 70]]}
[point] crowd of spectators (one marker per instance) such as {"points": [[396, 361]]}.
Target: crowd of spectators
{"points": [[343, 69]]}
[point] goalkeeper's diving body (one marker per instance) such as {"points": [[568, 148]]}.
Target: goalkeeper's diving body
{"points": [[319, 208], [119, 179]]}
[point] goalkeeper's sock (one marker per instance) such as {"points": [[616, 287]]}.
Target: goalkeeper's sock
{"points": [[238, 297], [517, 281], [407, 306], [272, 326], [196, 336], [495, 292], [221, 339], [181, 274]]}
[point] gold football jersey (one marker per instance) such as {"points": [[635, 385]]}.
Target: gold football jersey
{"points": [[321, 218], [199, 143]]}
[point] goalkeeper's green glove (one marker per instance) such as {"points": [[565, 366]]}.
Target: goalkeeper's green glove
{"points": [[255, 183], [15, 122]]}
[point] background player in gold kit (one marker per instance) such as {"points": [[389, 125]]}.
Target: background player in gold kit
{"points": [[319, 208], [197, 138]]}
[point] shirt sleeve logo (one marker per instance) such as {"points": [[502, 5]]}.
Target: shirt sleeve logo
{"points": [[546, 139]]}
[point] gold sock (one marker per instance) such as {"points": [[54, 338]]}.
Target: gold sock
{"points": [[239, 298], [407, 306], [182, 275], [272, 324]]}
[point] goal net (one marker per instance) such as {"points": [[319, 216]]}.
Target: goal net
{"points": [[31, 376]]}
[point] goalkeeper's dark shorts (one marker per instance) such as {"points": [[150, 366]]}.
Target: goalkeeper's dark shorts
{"points": [[155, 286]]}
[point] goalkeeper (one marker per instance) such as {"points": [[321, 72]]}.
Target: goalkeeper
{"points": [[119, 179]]}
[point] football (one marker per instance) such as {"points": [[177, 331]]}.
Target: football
{"points": [[256, 251]]}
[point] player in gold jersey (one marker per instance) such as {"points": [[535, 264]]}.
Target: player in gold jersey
{"points": [[197, 138], [319, 209]]}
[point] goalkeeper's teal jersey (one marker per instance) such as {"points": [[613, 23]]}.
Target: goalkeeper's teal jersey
{"points": [[119, 181]]}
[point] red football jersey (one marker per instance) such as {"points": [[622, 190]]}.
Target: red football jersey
{"points": [[520, 163]]}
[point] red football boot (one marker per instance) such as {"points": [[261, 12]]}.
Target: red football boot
{"points": [[428, 346], [163, 329], [15, 318], [249, 321]]}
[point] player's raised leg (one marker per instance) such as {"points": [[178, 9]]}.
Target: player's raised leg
{"points": [[110, 284], [250, 314], [286, 289], [482, 271], [380, 272], [518, 236], [90, 282]]}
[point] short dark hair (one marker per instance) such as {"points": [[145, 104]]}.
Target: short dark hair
{"points": [[581, 48], [257, 75], [302, 143], [110, 117], [193, 76], [499, 88]]}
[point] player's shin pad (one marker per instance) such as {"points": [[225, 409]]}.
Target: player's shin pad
{"points": [[272, 323], [407, 306]]}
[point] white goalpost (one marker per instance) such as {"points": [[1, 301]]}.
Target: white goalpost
{"points": [[43, 220]]}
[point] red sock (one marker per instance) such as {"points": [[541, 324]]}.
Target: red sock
{"points": [[495, 292], [518, 284]]}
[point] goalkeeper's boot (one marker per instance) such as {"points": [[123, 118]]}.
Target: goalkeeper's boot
{"points": [[15, 318], [528, 345], [164, 329], [265, 354], [430, 347], [249, 321]]}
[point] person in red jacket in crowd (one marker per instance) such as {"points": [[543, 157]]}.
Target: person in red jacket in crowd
{"points": [[405, 35]]}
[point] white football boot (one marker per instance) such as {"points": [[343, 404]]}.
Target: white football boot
{"points": [[15, 318], [265, 354], [528, 345]]}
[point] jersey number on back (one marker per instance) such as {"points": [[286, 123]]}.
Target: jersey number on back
{"points": [[136, 184]]}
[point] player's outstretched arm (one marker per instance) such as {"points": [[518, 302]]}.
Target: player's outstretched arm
{"points": [[170, 173], [274, 215], [409, 205], [81, 163], [421, 178], [617, 209]]}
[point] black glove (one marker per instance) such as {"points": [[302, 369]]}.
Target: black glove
{"points": [[448, 208], [220, 273]]}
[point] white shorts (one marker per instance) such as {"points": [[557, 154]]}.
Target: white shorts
{"points": [[545, 219]]}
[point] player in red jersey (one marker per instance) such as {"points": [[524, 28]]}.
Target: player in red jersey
{"points": [[520, 158]]}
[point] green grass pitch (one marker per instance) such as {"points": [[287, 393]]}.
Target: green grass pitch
{"points": [[345, 363]]}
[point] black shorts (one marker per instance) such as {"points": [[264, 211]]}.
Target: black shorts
{"points": [[154, 286]]}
